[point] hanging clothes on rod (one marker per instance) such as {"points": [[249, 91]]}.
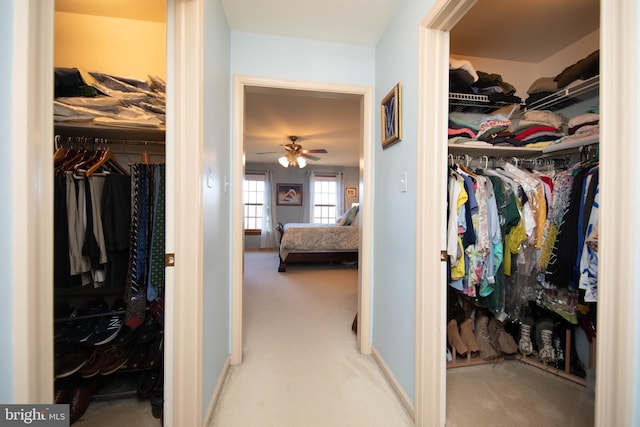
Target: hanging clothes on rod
{"points": [[508, 230]]}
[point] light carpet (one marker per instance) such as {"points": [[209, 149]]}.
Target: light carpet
{"points": [[514, 394], [301, 363], [302, 368]]}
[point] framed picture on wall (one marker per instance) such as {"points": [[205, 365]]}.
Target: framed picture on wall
{"points": [[290, 194], [351, 192], [391, 110]]}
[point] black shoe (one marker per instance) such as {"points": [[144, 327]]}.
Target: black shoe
{"points": [[157, 397], [108, 326], [82, 329], [138, 356], [577, 367], [148, 382], [156, 353], [149, 330], [69, 359], [126, 336]]}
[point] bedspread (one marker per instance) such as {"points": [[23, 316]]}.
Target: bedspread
{"points": [[299, 237]]}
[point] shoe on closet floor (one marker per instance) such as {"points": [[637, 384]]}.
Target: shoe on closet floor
{"points": [[485, 340], [138, 355], [454, 338], [148, 330], [94, 363], [81, 397], [157, 398], [148, 382], [469, 339], [156, 353], [63, 388], [69, 359], [116, 356], [502, 340], [82, 329], [127, 335], [107, 327]]}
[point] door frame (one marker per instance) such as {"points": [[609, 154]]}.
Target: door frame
{"points": [[616, 384], [32, 200], [240, 82]]}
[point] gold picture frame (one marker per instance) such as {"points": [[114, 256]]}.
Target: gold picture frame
{"points": [[391, 117]]}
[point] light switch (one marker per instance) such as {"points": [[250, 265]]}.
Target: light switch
{"points": [[403, 182]]}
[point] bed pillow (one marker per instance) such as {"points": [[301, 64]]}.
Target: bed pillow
{"points": [[340, 222], [350, 215]]}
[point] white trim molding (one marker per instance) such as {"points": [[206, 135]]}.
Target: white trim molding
{"points": [[185, 128], [32, 201], [617, 363], [405, 400], [366, 199], [211, 408], [433, 63]]}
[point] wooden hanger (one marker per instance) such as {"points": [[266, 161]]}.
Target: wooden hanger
{"points": [[107, 159]]}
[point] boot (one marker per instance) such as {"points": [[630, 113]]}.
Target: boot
{"points": [[487, 349], [547, 354], [525, 345], [466, 333], [454, 338], [502, 340]]}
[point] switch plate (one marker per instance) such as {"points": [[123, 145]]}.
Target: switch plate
{"points": [[403, 182]]}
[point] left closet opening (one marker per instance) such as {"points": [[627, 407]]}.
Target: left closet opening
{"points": [[109, 241]]}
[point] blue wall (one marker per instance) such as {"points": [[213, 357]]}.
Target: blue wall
{"points": [[395, 211], [261, 55], [6, 219], [217, 204]]}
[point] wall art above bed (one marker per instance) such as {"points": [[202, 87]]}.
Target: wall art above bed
{"points": [[289, 194]]}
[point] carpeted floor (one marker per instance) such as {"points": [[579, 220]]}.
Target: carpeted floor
{"points": [[302, 368], [514, 394], [301, 364]]}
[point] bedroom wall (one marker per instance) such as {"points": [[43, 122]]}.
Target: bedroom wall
{"points": [[281, 175]]}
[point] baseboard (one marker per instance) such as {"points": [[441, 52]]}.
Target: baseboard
{"points": [[216, 393], [395, 385]]}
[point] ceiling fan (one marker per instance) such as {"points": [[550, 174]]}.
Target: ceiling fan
{"points": [[295, 155]]}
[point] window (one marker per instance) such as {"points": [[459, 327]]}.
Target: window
{"points": [[325, 196], [253, 196]]}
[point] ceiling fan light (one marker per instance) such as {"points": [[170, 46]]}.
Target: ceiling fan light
{"points": [[284, 161], [301, 162]]}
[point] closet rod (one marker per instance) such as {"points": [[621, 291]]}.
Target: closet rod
{"points": [[95, 141], [494, 161]]}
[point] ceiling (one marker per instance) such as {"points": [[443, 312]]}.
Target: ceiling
{"points": [[520, 30], [319, 120], [523, 30]]}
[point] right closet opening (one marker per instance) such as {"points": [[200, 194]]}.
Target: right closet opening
{"points": [[522, 202]]}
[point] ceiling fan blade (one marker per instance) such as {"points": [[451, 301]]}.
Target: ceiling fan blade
{"points": [[319, 150], [309, 157]]}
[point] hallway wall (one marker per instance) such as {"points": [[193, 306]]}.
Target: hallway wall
{"points": [[216, 200], [394, 300]]}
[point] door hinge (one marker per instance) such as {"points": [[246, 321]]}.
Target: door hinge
{"points": [[169, 260], [443, 256]]}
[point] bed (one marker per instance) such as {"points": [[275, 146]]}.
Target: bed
{"points": [[305, 242]]}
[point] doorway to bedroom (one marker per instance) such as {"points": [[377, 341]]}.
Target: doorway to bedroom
{"points": [[332, 124]]}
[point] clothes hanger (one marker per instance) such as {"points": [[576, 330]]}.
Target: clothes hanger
{"points": [[108, 159]]}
